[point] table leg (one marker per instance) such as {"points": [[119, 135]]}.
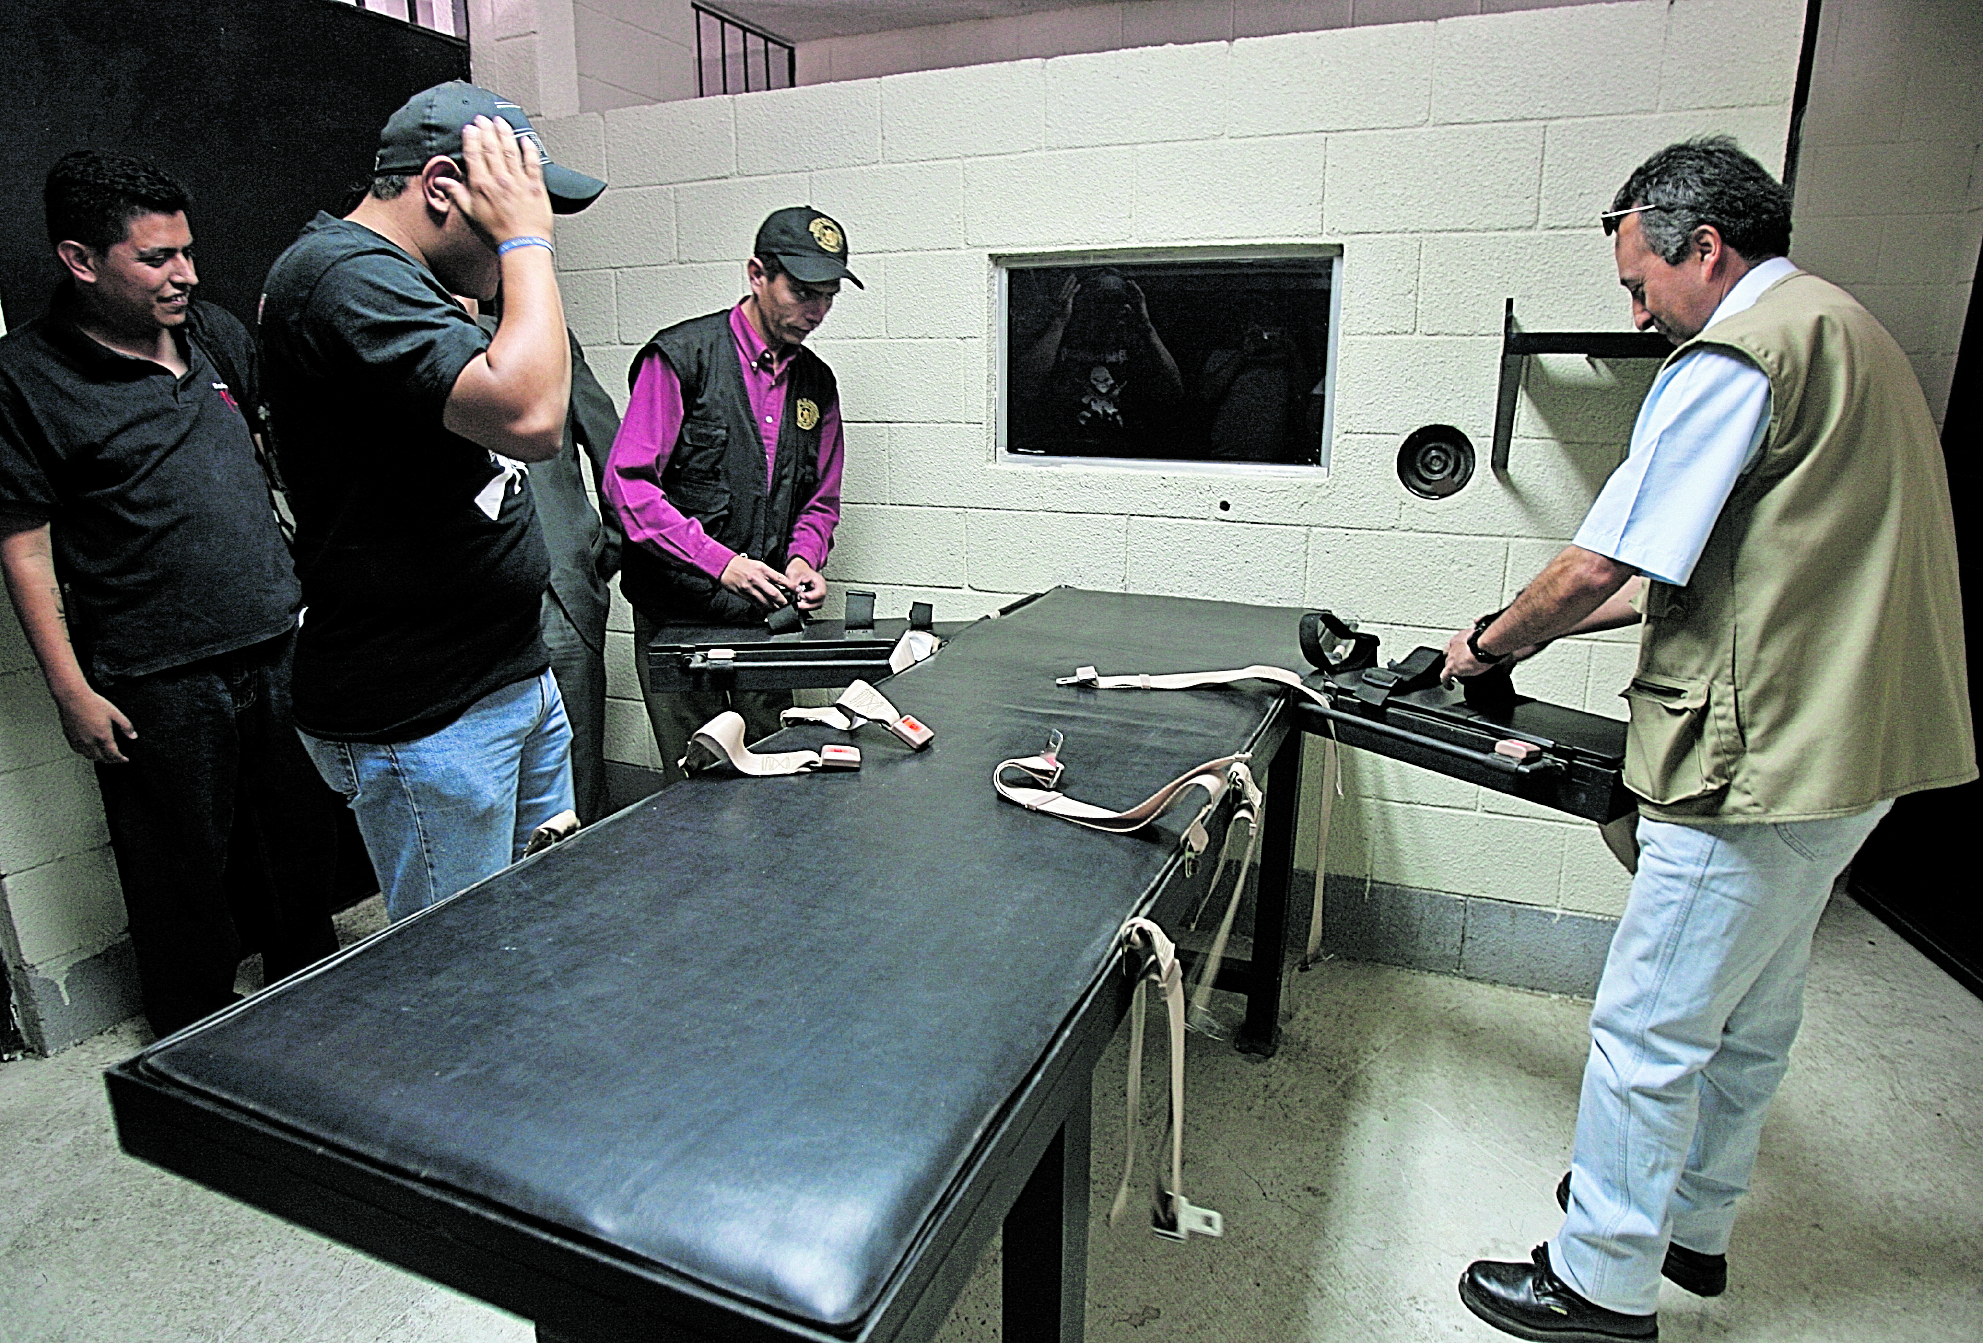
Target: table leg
{"points": [[1045, 1264], [1260, 1032]]}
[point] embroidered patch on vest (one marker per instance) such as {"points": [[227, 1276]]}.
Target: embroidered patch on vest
{"points": [[808, 413], [827, 234]]}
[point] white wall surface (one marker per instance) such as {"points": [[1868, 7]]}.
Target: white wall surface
{"points": [[1455, 164], [1890, 179], [1112, 27]]}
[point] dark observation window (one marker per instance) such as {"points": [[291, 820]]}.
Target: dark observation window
{"points": [[1204, 361]]}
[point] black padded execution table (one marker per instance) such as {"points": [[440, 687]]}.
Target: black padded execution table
{"points": [[768, 1058]]}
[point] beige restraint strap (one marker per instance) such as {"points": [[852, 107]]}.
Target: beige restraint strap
{"points": [[1154, 958], [1247, 813], [1332, 788], [914, 646], [1212, 778], [721, 740], [857, 704], [1091, 679], [862, 703]]}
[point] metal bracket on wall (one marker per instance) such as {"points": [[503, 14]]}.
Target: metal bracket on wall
{"points": [[1517, 345]]}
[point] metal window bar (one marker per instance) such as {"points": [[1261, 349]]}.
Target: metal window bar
{"points": [[732, 56], [439, 16]]}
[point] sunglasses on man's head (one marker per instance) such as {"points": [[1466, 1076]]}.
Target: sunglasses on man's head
{"points": [[1610, 218]]}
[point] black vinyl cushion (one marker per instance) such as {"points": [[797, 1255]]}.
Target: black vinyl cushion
{"points": [[750, 1029]]}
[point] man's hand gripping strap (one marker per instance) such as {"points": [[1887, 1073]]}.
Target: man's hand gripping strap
{"points": [[721, 741], [1147, 951]]}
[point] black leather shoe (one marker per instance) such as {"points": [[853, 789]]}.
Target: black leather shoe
{"points": [[1530, 1301], [1689, 1270]]}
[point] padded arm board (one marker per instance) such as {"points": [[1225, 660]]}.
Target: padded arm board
{"points": [[750, 1030]]}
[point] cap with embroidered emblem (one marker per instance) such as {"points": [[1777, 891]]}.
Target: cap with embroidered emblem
{"points": [[810, 245], [429, 125]]}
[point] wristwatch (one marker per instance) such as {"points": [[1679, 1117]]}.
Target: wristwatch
{"points": [[1473, 640]]}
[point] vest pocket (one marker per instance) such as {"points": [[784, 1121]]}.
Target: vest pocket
{"points": [[1672, 751]]}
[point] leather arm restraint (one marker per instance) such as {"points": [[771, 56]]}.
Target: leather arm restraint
{"points": [[1331, 779], [1172, 1214], [721, 739]]}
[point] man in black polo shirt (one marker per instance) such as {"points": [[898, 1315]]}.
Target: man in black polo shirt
{"points": [[129, 487], [422, 688]]}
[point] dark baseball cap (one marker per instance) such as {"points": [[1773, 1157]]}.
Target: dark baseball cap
{"points": [[812, 246], [430, 123]]}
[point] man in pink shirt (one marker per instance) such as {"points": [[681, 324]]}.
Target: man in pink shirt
{"points": [[726, 470]]}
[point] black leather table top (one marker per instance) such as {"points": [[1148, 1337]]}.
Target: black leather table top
{"points": [[750, 1030]]}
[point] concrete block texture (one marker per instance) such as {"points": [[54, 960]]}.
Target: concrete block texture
{"points": [[657, 296], [1444, 178], [1469, 853], [1440, 582], [936, 294], [1514, 943], [864, 478], [590, 308], [1219, 189], [1756, 44], [33, 733], [794, 130], [625, 55], [1928, 178], [1391, 385], [1136, 97], [1324, 81], [895, 207], [719, 219], [687, 141], [71, 907], [1080, 197], [68, 1002], [919, 380], [1380, 286], [903, 546], [578, 142], [1571, 398], [1548, 488], [1560, 282], [48, 812], [1027, 551], [968, 113], [632, 224], [1548, 63], [1586, 160], [1219, 561], [1594, 881]]}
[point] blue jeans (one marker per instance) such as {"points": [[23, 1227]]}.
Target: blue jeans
{"points": [[1702, 995], [441, 812]]}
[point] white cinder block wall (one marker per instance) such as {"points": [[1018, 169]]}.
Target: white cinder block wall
{"points": [[1455, 164]]}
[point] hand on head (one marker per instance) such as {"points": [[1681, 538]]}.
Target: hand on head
{"points": [[503, 196]]}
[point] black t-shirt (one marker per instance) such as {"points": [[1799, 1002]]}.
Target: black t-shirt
{"points": [[418, 603], [159, 515]]}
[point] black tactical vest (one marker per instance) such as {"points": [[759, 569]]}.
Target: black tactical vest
{"points": [[716, 473]]}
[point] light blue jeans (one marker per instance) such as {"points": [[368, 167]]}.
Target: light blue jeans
{"points": [[1701, 997], [443, 811]]}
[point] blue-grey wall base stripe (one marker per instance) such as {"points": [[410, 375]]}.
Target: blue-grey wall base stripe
{"points": [[94, 995], [1526, 946]]}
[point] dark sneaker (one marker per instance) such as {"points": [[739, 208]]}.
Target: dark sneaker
{"points": [[1530, 1301], [1689, 1270]]}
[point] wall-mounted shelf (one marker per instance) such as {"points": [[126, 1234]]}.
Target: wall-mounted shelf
{"points": [[1517, 345]]}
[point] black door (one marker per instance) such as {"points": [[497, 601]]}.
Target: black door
{"points": [[1911, 871]]}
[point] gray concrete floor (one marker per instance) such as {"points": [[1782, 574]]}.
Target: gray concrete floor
{"points": [[1409, 1124]]}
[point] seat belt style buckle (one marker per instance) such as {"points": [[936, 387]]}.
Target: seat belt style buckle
{"points": [[559, 828], [912, 731], [834, 756], [1177, 1218]]}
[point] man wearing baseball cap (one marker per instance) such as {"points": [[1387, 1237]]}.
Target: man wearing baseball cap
{"points": [[726, 470], [422, 689]]}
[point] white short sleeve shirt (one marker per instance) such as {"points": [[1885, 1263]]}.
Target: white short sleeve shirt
{"points": [[1700, 429]]}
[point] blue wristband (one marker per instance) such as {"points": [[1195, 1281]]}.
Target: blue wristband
{"points": [[512, 244]]}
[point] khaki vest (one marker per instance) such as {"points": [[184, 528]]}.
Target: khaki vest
{"points": [[1814, 664]]}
